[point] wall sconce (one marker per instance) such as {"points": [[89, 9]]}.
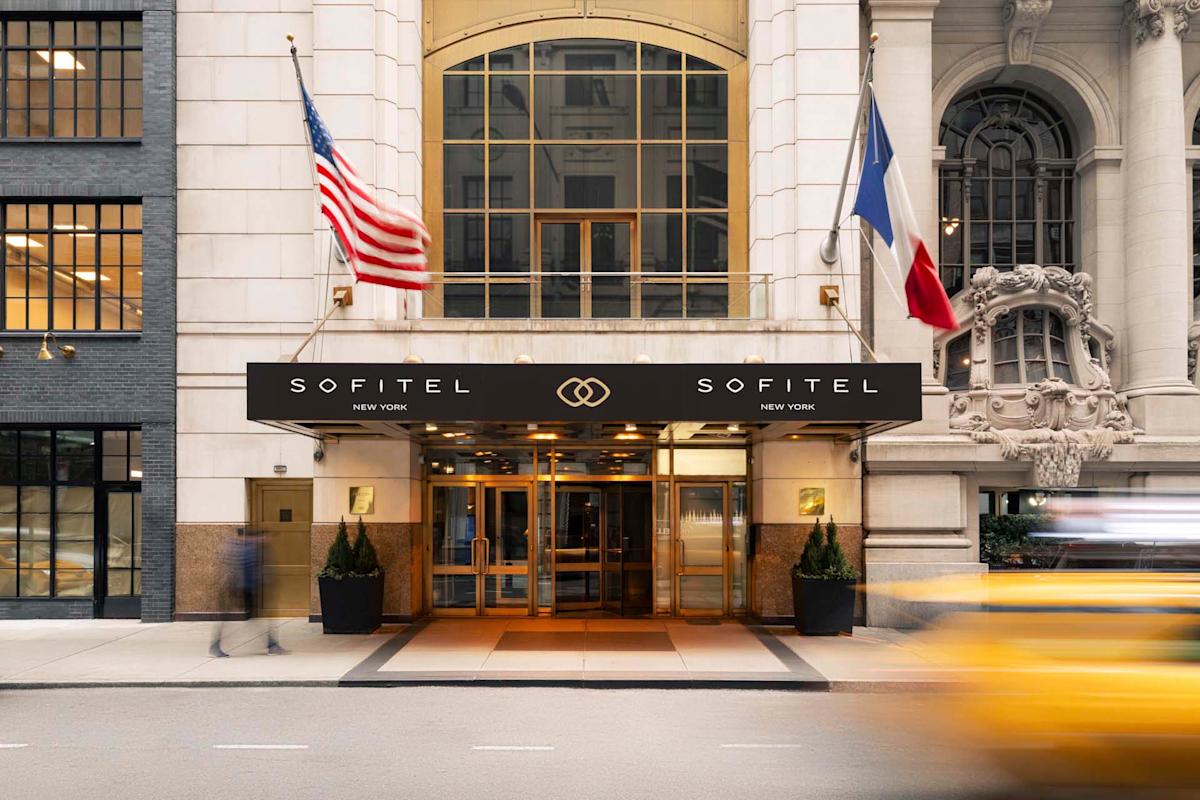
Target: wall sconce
{"points": [[44, 354], [950, 225], [812, 501]]}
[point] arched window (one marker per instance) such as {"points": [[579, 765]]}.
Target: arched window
{"points": [[1029, 346], [1196, 216], [586, 178], [1006, 186]]}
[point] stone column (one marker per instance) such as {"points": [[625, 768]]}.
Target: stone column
{"points": [[1156, 215], [904, 88]]}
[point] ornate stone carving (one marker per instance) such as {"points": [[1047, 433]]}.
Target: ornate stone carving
{"points": [[1193, 349], [1058, 431], [1148, 18], [1055, 424], [1022, 19]]}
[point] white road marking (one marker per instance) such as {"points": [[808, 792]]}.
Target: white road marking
{"points": [[535, 747], [260, 747], [762, 746], [15, 746]]}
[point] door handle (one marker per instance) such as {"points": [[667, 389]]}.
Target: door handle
{"points": [[679, 567], [487, 555], [475, 556]]}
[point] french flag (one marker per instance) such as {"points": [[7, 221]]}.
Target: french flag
{"points": [[883, 201]]}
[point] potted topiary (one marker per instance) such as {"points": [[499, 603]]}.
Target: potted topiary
{"points": [[823, 585], [351, 584]]}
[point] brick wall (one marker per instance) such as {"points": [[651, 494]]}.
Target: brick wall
{"points": [[115, 378]]}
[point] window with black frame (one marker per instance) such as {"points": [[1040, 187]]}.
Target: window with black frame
{"points": [[52, 487], [71, 266], [1196, 215], [1006, 186], [580, 157], [71, 78]]}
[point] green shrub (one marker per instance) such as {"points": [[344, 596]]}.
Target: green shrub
{"points": [[1004, 540], [823, 556], [339, 561], [366, 562]]}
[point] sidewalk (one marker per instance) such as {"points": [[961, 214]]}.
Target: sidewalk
{"points": [[516, 651]]}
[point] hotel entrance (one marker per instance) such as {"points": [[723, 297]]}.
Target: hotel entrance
{"points": [[585, 530]]}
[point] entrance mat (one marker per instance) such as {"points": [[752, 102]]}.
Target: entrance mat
{"points": [[590, 641]]}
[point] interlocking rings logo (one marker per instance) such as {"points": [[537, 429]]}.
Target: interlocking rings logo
{"points": [[589, 392]]}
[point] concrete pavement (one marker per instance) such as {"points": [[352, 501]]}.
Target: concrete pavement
{"points": [[548, 652]]}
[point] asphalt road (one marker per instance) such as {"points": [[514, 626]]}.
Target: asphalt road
{"points": [[485, 743]]}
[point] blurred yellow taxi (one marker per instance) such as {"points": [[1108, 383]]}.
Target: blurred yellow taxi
{"points": [[1084, 675]]}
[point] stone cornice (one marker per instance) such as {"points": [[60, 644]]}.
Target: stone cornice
{"points": [[1097, 156], [902, 9], [1148, 19]]}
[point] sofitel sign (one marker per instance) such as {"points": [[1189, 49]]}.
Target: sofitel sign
{"points": [[584, 392]]}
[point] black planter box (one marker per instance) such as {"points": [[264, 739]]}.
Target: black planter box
{"points": [[353, 604], [823, 607]]}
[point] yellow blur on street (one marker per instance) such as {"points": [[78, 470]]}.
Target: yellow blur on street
{"points": [[1071, 678]]}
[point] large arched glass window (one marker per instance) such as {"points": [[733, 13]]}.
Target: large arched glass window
{"points": [[585, 178], [1006, 186], [1029, 346]]}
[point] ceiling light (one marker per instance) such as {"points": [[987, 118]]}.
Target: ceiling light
{"points": [[733, 427], [966, 362], [630, 427], [430, 427], [88, 235], [17, 240], [546, 437], [454, 434], [63, 59], [628, 436]]}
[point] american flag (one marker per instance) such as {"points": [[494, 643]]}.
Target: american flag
{"points": [[383, 245]]}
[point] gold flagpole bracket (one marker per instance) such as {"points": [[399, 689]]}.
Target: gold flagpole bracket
{"points": [[831, 296], [343, 296], [829, 249]]}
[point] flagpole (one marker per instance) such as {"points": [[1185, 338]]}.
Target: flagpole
{"points": [[829, 245]]}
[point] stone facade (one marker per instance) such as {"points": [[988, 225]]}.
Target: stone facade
{"points": [[256, 269]]}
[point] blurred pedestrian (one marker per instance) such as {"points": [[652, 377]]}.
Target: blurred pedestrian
{"points": [[241, 568]]}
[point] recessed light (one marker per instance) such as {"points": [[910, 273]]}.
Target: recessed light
{"points": [[430, 427]]}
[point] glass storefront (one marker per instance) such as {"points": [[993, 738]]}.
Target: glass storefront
{"points": [[559, 529], [70, 516]]}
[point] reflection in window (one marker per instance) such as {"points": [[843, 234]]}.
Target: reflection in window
{"points": [[958, 363], [72, 266], [558, 122], [49, 484], [1006, 185], [1029, 346], [68, 78]]}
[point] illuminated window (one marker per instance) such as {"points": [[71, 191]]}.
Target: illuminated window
{"points": [[1006, 186], [1029, 346], [72, 266], [597, 156], [67, 79]]}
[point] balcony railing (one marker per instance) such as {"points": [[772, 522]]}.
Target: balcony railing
{"points": [[598, 295]]}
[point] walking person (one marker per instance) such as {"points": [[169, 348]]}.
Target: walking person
{"points": [[242, 575]]}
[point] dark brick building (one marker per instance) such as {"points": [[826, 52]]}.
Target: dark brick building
{"points": [[87, 183]]}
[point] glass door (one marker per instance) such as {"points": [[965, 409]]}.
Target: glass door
{"points": [[121, 587], [505, 558], [479, 540], [701, 543], [584, 267], [577, 546], [611, 568]]}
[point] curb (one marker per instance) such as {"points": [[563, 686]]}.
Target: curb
{"points": [[816, 686], [222, 684]]}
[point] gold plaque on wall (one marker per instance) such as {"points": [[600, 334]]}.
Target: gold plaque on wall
{"points": [[812, 501], [362, 500]]}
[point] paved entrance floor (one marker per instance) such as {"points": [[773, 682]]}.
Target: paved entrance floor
{"points": [[565, 652], [639, 652]]}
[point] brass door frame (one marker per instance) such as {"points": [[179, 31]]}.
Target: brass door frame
{"points": [[477, 567], [681, 570], [257, 523], [576, 566], [585, 258]]}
